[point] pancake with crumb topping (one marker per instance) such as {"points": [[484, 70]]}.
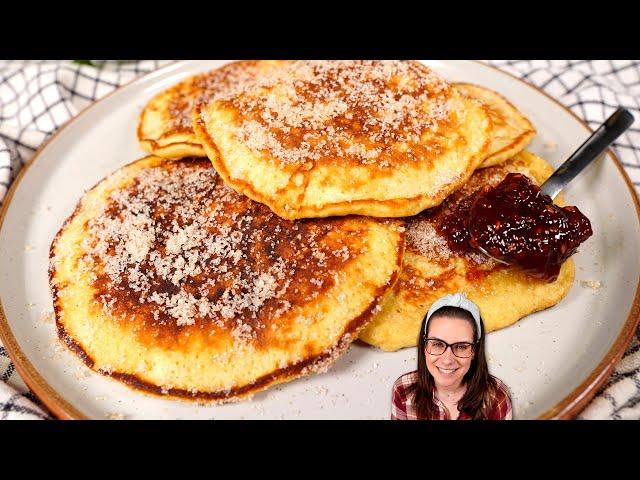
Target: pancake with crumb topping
{"points": [[431, 269], [168, 280], [165, 127], [322, 138], [512, 131]]}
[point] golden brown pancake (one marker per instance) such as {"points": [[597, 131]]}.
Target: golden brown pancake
{"points": [[165, 127], [316, 139], [431, 269], [512, 131], [171, 282]]}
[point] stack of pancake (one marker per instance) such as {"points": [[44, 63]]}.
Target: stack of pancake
{"points": [[286, 210]]}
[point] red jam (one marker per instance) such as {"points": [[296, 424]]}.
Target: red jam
{"points": [[515, 222], [453, 225]]}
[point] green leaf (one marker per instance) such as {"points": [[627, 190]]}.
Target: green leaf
{"points": [[84, 62]]}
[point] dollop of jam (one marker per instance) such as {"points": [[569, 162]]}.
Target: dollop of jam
{"points": [[516, 223], [454, 221]]}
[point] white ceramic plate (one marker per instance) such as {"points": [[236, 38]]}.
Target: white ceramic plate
{"points": [[552, 361]]}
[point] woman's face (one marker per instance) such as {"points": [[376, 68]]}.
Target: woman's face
{"points": [[447, 369]]}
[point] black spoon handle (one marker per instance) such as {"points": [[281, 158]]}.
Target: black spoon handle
{"points": [[595, 145]]}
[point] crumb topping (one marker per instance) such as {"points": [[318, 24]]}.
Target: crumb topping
{"points": [[368, 111], [183, 249], [423, 237], [226, 80], [594, 285]]}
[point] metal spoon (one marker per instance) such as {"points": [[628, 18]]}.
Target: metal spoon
{"points": [[591, 149]]}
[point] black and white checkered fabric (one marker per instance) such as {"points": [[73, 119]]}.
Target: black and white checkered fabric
{"points": [[36, 98]]}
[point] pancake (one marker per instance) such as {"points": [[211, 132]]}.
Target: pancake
{"points": [[378, 138], [431, 269], [165, 127], [169, 281], [512, 131]]}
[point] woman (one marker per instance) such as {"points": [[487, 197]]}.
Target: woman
{"points": [[452, 380]]}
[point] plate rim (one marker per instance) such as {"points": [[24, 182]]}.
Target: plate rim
{"points": [[567, 408]]}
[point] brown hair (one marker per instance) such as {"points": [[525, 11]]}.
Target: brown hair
{"points": [[480, 384]]}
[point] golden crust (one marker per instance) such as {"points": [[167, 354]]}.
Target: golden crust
{"points": [[300, 291], [164, 128], [503, 294], [399, 174], [512, 131]]}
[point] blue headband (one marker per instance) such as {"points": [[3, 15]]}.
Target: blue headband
{"points": [[456, 300]]}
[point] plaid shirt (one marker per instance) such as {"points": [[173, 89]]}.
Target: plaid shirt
{"points": [[402, 407]]}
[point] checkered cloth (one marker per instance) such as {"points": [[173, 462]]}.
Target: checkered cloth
{"points": [[36, 98]]}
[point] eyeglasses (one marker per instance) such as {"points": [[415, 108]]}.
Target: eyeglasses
{"points": [[435, 346]]}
